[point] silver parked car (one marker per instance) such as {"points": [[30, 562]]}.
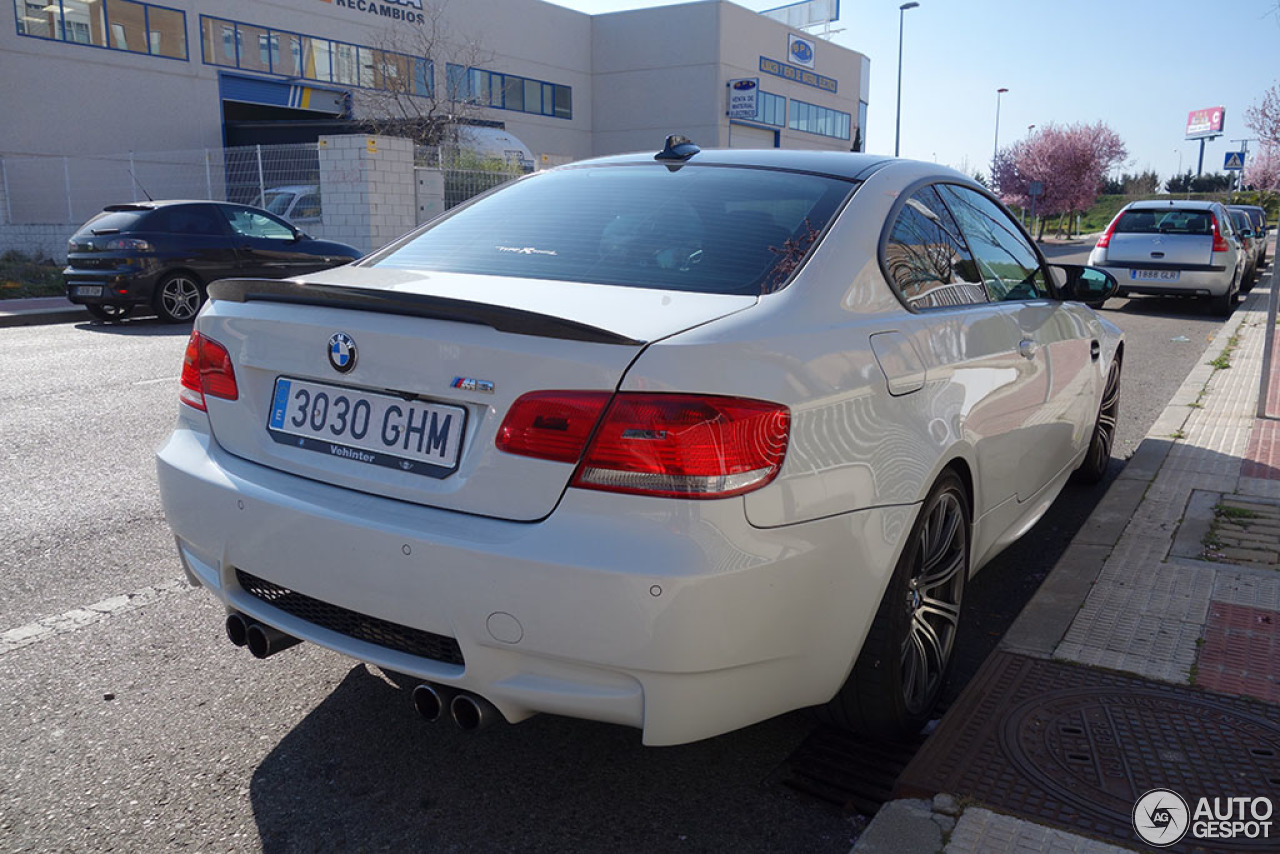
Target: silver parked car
{"points": [[678, 442], [1174, 248]]}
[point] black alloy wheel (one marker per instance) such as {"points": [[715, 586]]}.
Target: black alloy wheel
{"points": [[895, 684], [1094, 467]]}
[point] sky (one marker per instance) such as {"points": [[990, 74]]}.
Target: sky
{"points": [[1138, 65]]}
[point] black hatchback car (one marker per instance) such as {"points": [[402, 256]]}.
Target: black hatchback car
{"points": [[164, 254]]}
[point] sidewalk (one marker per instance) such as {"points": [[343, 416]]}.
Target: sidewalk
{"points": [[40, 310], [1148, 659]]}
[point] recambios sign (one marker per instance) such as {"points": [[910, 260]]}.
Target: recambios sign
{"points": [[1206, 122], [393, 9]]}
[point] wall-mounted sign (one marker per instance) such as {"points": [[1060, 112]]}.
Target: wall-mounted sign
{"points": [[800, 75], [395, 10], [800, 50], [1206, 122], [744, 97]]}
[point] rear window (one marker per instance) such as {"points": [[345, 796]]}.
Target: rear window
{"points": [[1171, 221], [111, 222], [706, 229]]}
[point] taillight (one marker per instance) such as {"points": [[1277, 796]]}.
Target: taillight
{"points": [[551, 425], [1219, 241], [673, 445], [1105, 240], [206, 370], [127, 244], [686, 446]]}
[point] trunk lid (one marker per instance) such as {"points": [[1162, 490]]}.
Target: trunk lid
{"points": [[1173, 237], [459, 348]]}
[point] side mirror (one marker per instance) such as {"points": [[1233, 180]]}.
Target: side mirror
{"points": [[1088, 285], [1247, 232]]}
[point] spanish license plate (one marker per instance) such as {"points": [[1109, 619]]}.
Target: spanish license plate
{"points": [[1154, 275], [409, 435], [88, 290]]}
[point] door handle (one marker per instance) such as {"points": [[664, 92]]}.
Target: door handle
{"points": [[1095, 350], [1027, 348]]}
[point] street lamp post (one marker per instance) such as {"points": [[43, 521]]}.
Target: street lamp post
{"points": [[995, 151], [897, 119]]}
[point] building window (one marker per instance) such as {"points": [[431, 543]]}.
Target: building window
{"points": [[125, 25], [509, 92], [268, 51], [771, 109], [823, 121]]}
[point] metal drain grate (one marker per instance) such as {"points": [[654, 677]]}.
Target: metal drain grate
{"points": [[848, 770], [358, 626], [1076, 747]]}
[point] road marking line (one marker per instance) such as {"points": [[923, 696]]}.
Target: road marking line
{"points": [[78, 618], [160, 380]]}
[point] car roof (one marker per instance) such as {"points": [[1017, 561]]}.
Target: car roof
{"points": [[842, 164], [1161, 204], [159, 203]]}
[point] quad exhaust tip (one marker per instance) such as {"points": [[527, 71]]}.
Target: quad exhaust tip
{"points": [[470, 712], [262, 640], [431, 701]]}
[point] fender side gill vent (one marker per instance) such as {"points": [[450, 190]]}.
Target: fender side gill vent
{"points": [[358, 626]]}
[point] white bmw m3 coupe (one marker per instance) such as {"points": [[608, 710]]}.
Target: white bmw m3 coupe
{"points": [[679, 441]]}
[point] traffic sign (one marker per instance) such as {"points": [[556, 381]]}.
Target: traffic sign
{"points": [[1234, 161]]}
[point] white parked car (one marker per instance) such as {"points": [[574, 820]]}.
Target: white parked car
{"points": [[679, 442], [1174, 248], [298, 203]]}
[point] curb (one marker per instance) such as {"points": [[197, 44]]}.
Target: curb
{"points": [[42, 317]]}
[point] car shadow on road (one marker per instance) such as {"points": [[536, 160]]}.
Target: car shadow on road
{"points": [[1162, 307], [142, 327], [363, 772]]}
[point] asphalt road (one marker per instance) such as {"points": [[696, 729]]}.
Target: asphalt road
{"points": [[134, 725]]}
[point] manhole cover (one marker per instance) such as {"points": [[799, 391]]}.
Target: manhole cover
{"points": [[1077, 747]]}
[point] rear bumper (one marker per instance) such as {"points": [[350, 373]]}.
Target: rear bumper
{"points": [[1190, 282], [122, 285], [675, 617]]}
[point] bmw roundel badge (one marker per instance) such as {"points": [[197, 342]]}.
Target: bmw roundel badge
{"points": [[342, 352]]}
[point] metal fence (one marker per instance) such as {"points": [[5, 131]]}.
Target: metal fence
{"points": [[54, 189]]}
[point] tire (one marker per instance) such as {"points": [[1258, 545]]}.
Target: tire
{"points": [[1222, 306], [109, 312], [895, 684], [178, 298], [1094, 467]]}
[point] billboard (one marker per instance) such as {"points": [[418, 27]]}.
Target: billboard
{"points": [[1206, 123], [806, 13]]}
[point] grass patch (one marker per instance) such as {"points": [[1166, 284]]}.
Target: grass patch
{"points": [[22, 276], [1225, 511], [1178, 434], [1224, 358]]}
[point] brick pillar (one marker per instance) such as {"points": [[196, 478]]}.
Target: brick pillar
{"points": [[367, 189]]}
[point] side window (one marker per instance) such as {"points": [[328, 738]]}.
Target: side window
{"points": [[308, 207], [253, 224], [927, 259], [1008, 263], [186, 219]]}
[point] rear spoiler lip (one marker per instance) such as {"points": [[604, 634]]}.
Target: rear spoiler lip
{"points": [[517, 321]]}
